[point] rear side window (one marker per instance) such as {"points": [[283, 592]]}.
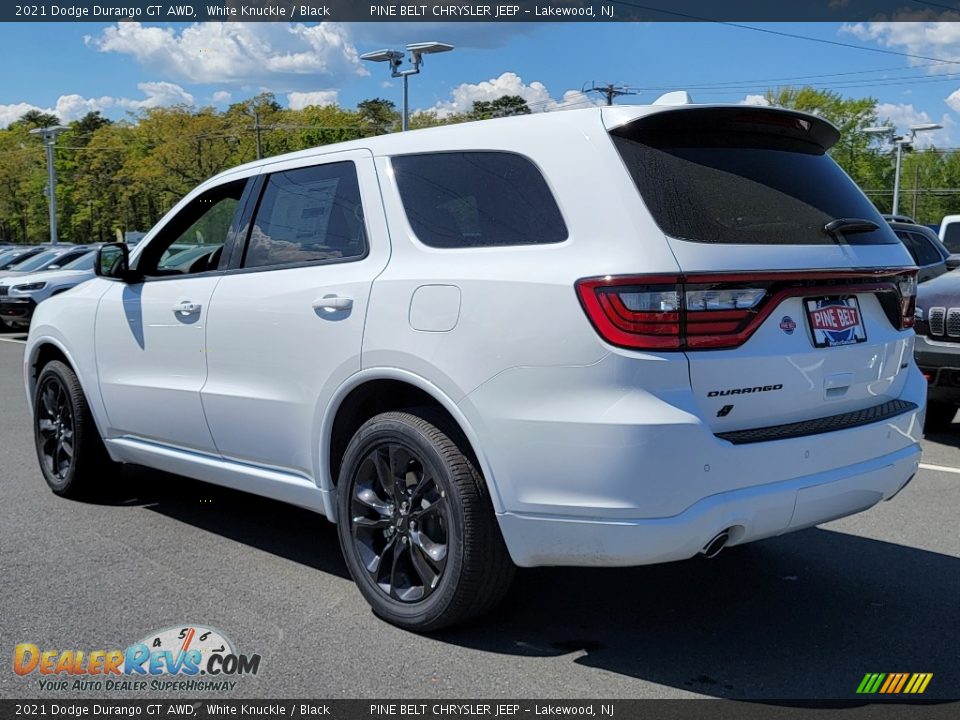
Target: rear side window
{"points": [[477, 199], [308, 215], [927, 254], [734, 175], [951, 237]]}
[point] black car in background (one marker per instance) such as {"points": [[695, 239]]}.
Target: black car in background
{"points": [[930, 255], [937, 348]]}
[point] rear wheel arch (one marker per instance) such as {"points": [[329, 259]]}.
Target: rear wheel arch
{"points": [[377, 392]]}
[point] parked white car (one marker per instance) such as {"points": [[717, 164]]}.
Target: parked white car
{"points": [[601, 337], [20, 295]]}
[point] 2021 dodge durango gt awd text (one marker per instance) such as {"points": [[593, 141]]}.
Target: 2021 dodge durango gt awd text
{"points": [[602, 337]]}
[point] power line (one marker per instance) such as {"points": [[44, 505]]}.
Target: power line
{"points": [[781, 33]]}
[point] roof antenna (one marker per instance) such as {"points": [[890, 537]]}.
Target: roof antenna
{"points": [[677, 97]]}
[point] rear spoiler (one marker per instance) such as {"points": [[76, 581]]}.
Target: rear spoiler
{"points": [[706, 124]]}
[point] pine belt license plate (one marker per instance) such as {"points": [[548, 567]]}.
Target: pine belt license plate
{"points": [[835, 321]]}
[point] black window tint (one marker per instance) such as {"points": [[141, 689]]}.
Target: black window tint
{"points": [[926, 253], [909, 241], [951, 237], [732, 176], [477, 199], [308, 215]]}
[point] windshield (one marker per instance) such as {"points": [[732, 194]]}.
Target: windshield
{"points": [[84, 262], [10, 257], [719, 178], [37, 261]]}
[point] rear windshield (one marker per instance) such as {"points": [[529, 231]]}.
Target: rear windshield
{"points": [[712, 177]]}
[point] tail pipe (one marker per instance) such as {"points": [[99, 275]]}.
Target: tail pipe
{"points": [[713, 548]]}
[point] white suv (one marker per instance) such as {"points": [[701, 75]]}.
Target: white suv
{"points": [[599, 337]]}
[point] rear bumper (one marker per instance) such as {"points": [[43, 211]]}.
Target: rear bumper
{"points": [[589, 468], [748, 514]]}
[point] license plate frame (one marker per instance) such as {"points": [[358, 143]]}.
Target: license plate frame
{"points": [[829, 321]]}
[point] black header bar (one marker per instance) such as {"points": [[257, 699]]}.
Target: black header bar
{"points": [[471, 11]]}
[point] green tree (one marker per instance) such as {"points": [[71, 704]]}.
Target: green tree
{"points": [[37, 119], [379, 115], [501, 107]]}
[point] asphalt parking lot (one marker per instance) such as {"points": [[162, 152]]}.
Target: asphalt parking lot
{"points": [[802, 616]]}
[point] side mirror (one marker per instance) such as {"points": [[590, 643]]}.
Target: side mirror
{"points": [[113, 262]]}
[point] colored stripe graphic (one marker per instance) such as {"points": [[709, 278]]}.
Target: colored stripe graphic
{"points": [[894, 683]]}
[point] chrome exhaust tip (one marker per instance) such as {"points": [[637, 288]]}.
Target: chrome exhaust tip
{"points": [[713, 548]]}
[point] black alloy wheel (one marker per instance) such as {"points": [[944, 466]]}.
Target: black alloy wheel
{"points": [[72, 457], [416, 525], [399, 520], [55, 428]]}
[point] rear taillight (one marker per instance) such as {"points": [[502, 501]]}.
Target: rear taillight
{"points": [[714, 311], [907, 288]]}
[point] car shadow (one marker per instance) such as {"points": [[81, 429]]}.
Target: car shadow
{"points": [[274, 527], [792, 619], [801, 617]]}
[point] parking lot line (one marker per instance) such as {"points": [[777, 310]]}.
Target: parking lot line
{"points": [[940, 468], [13, 340]]}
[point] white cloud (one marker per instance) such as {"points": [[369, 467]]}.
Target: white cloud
{"points": [[158, 94], [903, 115], [300, 100], [535, 93], [14, 111], [755, 100], [929, 39], [73, 107], [221, 96], [285, 56]]}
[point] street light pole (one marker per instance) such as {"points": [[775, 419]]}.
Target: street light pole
{"points": [[900, 141], [405, 122], [49, 135], [896, 176], [395, 58]]}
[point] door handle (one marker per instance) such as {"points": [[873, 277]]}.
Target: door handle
{"points": [[186, 308], [333, 303]]}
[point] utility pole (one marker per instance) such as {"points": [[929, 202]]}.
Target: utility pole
{"points": [[610, 91], [49, 135], [256, 128], [916, 189]]}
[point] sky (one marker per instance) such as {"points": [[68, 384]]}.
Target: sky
{"points": [[72, 68]]}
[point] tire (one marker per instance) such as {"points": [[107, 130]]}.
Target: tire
{"points": [[450, 568], [72, 457], [939, 416]]}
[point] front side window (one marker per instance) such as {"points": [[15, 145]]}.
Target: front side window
{"points": [[193, 240], [477, 199], [308, 215]]}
